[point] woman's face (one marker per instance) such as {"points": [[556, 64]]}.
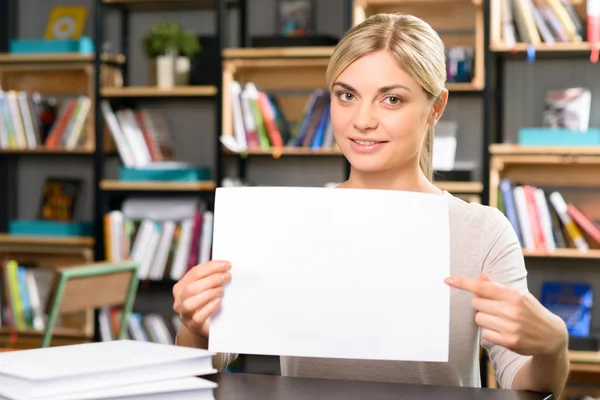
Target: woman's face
{"points": [[379, 114]]}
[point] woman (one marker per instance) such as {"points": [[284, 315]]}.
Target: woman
{"points": [[387, 79]]}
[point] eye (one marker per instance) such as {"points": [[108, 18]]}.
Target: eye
{"points": [[345, 96], [393, 100]]}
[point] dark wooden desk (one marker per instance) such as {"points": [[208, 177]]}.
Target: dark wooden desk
{"points": [[238, 386]]}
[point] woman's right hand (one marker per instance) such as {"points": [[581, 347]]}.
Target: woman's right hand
{"points": [[198, 295]]}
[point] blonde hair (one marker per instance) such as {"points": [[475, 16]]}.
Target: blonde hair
{"points": [[416, 47]]}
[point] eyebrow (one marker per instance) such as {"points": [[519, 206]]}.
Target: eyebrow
{"points": [[381, 89]]}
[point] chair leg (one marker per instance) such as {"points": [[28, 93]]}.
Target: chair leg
{"points": [[128, 305], [53, 316]]}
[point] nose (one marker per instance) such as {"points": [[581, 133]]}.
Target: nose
{"points": [[365, 118]]}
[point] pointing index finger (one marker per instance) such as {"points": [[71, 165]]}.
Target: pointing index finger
{"points": [[479, 287]]}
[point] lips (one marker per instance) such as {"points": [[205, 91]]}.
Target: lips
{"points": [[366, 146], [365, 142]]}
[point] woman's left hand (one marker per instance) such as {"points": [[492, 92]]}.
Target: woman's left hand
{"points": [[512, 319]]}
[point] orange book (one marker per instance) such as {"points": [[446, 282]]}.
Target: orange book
{"points": [[59, 127], [269, 120]]}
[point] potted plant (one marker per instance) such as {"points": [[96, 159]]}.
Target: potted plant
{"points": [[189, 47], [166, 43]]}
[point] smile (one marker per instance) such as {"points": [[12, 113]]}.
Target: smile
{"points": [[366, 146], [366, 142]]}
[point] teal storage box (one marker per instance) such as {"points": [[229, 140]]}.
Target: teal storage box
{"points": [[191, 174], [558, 137], [84, 45], [50, 228]]}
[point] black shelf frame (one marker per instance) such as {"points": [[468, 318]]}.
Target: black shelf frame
{"points": [[107, 200], [8, 29]]}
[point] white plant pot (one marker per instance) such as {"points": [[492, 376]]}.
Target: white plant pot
{"points": [[165, 71], [182, 71]]}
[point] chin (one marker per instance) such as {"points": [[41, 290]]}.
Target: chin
{"points": [[369, 163]]}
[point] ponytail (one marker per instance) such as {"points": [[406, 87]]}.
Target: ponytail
{"points": [[426, 161]]}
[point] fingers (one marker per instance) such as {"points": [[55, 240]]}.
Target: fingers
{"points": [[485, 288], [198, 272], [488, 306], [204, 270], [209, 282], [199, 286], [192, 304], [493, 322], [204, 313], [492, 336]]}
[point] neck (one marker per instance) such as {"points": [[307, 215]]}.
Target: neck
{"points": [[412, 180]]}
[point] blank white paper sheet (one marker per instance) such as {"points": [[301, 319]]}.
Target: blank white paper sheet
{"points": [[335, 273]]}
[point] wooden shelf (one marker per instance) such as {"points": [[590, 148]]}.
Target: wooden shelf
{"points": [[514, 149], [464, 87], [165, 5], [460, 187], [418, 2], [51, 58], [581, 361], [584, 356], [11, 339], [153, 91], [58, 331], [278, 52], [18, 240], [42, 150], [116, 185], [542, 48], [287, 151], [584, 361], [289, 57], [564, 253]]}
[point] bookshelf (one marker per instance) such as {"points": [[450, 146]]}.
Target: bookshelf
{"points": [[102, 78], [50, 75], [573, 172], [569, 170], [460, 23], [112, 191], [508, 41]]}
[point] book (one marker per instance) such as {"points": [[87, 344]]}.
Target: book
{"points": [[190, 388], [572, 302], [80, 368]]}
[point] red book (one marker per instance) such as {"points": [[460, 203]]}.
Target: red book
{"points": [[584, 223], [537, 232]]}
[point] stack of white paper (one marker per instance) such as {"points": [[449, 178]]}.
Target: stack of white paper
{"points": [[121, 369], [325, 272]]}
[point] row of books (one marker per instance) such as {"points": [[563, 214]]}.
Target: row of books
{"points": [[24, 293], [29, 121], [260, 123], [546, 221], [151, 327], [166, 238], [141, 136], [540, 21]]}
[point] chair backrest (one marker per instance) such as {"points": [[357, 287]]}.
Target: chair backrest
{"points": [[93, 286]]}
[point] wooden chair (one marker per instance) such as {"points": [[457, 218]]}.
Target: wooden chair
{"points": [[92, 286]]}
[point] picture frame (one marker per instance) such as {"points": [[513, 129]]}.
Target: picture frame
{"points": [[296, 18]]}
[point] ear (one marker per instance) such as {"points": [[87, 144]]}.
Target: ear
{"points": [[438, 108]]}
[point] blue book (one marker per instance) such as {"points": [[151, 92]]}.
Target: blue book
{"points": [[572, 302], [510, 209]]}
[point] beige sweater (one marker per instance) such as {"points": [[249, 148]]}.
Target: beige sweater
{"points": [[482, 239]]}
